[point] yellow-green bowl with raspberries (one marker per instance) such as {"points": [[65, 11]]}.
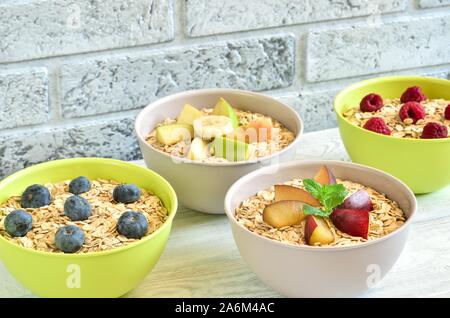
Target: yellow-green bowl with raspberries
{"points": [[109, 273], [423, 164]]}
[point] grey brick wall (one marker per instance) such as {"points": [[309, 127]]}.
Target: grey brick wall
{"points": [[74, 74]]}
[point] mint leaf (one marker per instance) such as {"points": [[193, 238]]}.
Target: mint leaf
{"points": [[329, 196], [332, 196], [313, 187], [310, 210]]}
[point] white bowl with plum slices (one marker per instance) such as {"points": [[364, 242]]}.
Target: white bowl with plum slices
{"points": [[320, 228], [202, 141]]}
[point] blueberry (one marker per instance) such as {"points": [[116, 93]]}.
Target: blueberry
{"points": [[132, 224], [18, 223], [69, 238], [77, 208], [79, 185], [126, 193], [35, 196]]}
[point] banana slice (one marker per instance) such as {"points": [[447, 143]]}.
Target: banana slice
{"points": [[199, 149], [208, 127]]}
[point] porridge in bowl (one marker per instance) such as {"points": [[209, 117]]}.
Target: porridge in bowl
{"points": [[220, 134], [410, 116], [80, 216], [323, 211]]}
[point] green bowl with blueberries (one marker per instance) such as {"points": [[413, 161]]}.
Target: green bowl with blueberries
{"points": [[84, 227], [401, 125]]}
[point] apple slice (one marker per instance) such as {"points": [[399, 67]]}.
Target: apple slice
{"points": [[360, 200], [232, 149], [283, 213], [325, 176], [287, 192], [223, 108], [259, 130], [188, 114], [171, 134], [352, 222], [317, 231]]}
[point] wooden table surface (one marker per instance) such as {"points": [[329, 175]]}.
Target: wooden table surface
{"points": [[201, 259]]}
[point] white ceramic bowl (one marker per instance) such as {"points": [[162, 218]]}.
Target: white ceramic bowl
{"points": [[202, 186], [306, 271]]}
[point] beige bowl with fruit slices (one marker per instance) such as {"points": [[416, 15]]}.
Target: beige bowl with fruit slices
{"points": [[298, 270], [202, 184]]}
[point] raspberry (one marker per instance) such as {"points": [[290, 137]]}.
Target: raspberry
{"points": [[413, 94], [371, 103], [412, 110], [434, 130], [447, 112], [377, 124]]}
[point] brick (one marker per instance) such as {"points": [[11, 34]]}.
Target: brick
{"points": [[315, 108], [433, 3], [35, 29], [359, 50], [206, 17], [107, 138], [132, 81], [23, 97]]}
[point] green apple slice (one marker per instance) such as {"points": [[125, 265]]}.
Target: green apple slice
{"points": [[188, 114], [171, 134], [231, 149], [223, 108], [198, 149]]}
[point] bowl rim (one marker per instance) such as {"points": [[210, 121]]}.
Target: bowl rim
{"points": [[64, 162], [394, 78], [320, 249], [143, 142]]}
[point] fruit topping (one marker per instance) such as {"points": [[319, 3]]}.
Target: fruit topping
{"points": [[69, 238], [77, 208], [360, 200], [79, 185], [18, 223], [35, 196], [412, 110], [188, 114], [447, 112], [209, 127], [434, 130], [231, 149], [371, 103], [126, 193], [132, 224], [171, 134], [259, 130], [413, 94], [325, 176], [317, 231], [283, 213], [287, 192], [377, 124], [354, 222], [198, 150], [223, 108]]}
